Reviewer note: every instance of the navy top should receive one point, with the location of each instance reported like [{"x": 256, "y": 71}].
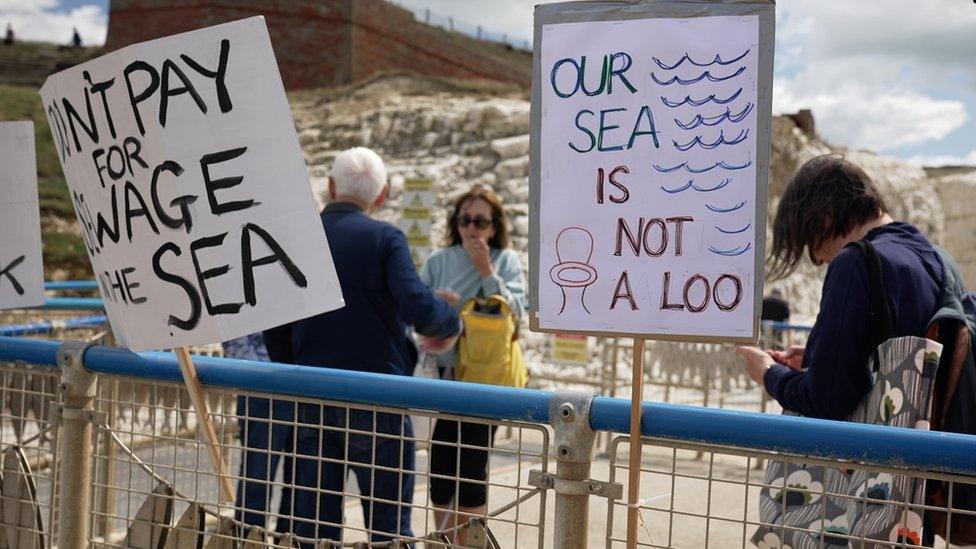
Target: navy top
[
  {"x": 383, "y": 295},
  {"x": 835, "y": 376}
]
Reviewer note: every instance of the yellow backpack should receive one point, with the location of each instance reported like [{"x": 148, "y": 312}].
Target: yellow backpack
[{"x": 488, "y": 349}]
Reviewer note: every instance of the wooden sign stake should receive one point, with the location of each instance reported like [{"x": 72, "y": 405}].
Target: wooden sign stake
[
  {"x": 199, "y": 401},
  {"x": 634, "y": 465}
]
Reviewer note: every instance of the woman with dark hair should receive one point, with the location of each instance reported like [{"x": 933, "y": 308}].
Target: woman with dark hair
[
  {"x": 475, "y": 262},
  {"x": 828, "y": 206}
]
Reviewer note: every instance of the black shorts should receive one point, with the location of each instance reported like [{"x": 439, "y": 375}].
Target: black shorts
[{"x": 473, "y": 463}]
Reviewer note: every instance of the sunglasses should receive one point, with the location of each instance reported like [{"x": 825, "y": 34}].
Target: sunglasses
[{"x": 479, "y": 222}]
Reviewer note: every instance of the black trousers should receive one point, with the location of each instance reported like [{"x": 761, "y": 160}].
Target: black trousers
[{"x": 469, "y": 470}]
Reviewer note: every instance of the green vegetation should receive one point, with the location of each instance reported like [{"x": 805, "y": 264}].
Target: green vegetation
[{"x": 64, "y": 250}]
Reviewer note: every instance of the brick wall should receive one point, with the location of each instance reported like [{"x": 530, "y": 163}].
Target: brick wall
[{"x": 322, "y": 43}]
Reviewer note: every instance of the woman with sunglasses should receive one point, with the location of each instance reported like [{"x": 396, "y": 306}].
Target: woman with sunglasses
[{"x": 475, "y": 262}]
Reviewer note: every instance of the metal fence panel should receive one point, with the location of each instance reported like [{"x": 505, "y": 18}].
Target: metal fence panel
[
  {"x": 151, "y": 442},
  {"x": 713, "y": 500}
]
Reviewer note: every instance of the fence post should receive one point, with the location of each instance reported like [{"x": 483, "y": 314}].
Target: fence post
[
  {"x": 569, "y": 415},
  {"x": 75, "y": 453}
]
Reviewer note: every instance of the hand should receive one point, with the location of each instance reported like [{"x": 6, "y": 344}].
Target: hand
[
  {"x": 452, "y": 298},
  {"x": 792, "y": 357},
  {"x": 435, "y": 345},
  {"x": 757, "y": 361},
  {"x": 479, "y": 253}
]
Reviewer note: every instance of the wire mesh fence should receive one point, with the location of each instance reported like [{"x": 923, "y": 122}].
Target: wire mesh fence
[
  {"x": 701, "y": 495},
  {"x": 314, "y": 472},
  {"x": 309, "y": 472},
  {"x": 28, "y": 464}
]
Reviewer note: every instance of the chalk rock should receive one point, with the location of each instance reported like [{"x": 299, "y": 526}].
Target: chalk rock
[
  {"x": 513, "y": 167},
  {"x": 958, "y": 193},
  {"x": 511, "y": 147}
]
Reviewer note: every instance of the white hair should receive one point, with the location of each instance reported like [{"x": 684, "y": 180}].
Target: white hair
[{"x": 360, "y": 173}]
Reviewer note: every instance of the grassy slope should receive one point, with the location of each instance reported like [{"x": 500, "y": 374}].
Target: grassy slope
[{"x": 64, "y": 250}]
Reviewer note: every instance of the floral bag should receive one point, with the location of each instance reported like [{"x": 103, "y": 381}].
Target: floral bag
[{"x": 794, "y": 505}]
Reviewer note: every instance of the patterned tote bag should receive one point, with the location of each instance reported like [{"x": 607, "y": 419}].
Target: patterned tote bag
[{"x": 810, "y": 506}]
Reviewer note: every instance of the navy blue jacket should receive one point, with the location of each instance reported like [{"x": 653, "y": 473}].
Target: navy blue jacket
[
  {"x": 383, "y": 295},
  {"x": 835, "y": 376}
]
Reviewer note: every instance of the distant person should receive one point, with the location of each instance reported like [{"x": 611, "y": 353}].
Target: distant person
[
  {"x": 476, "y": 262},
  {"x": 774, "y": 307},
  {"x": 267, "y": 434},
  {"x": 75, "y": 38},
  {"x": 8, "y": 38},
  {"x": 383, "y": 295}
]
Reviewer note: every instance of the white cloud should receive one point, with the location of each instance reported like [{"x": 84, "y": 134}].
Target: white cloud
[
  {"x": 862, "y": 67},
  {"x": 945, "y": 160},
  {"x": 44, "y": 20},
  {"x": 867, "y": 110}
]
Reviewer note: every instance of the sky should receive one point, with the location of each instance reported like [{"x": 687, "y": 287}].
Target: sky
[{"x": 893, "y": 76}]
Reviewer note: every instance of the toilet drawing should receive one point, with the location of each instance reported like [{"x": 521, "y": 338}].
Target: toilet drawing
[{"x": 574, "y": 248}]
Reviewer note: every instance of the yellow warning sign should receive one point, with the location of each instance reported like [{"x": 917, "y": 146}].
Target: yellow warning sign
[
  {"x": 570, "y": 348},
  {"x": 418, "y": 185},
  {"x": 411, "y": 212},
  {"x": 417, "y": 236}
]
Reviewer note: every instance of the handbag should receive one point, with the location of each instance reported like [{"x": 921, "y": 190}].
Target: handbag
[
  {"x": 488, "y": 349},
  {"x": 812, "y": 506}
]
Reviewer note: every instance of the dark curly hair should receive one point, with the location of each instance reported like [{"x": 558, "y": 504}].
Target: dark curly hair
[
  {"x": 827, "y": 197},
  {"x": 498, "y": 219}
]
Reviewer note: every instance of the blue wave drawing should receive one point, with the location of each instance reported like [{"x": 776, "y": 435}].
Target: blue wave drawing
[
  {"x": 743, "y": 134},
  {"x": 699, "y": 102},
  {"x": 731, "y": 253},
  {"x": 734, "y": 231},
  {"x": 723, "y": 164},
  {"x": 703, "y": 76},
  {"x": 717, "y": 61},
  {"x": 691, "y": 185},
  {"x": 684, "y": 187},
  {"x": 716, "y": 209},
  {"x": 724, "y": 182},
  {"x": 699, "y": 120},
  {"x": 726, "y": 166}
]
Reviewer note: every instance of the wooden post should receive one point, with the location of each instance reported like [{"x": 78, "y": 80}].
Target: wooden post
[
  {"x": 634, "y": 466},
  {"x": 199, "y": 401}
]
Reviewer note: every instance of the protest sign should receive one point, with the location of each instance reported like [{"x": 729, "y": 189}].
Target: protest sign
[
  {"x": 651, "y": 154},
  {"x": 21, "y": 264},
  {"x": 190, "y": 188},
  {"x": 649, "y": 159}
]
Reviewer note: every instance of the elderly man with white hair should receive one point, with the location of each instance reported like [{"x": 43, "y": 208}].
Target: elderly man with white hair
[{"x": 383, "y": 296}]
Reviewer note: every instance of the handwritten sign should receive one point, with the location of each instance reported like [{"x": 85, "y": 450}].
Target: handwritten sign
[
  {"x": 190, "y": 189},
  {"x": 21, "y": 265},
  {"x": 652, "y": 146}
]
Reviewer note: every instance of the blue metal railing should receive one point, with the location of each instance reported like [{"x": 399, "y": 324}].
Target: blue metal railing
[
  {"x": 71, "y": 285},
  {"x": 786, "y": 326},
  {"x": 47, "y": 326},
  {"x": 832, "y": 440},
  {"x": 73, "y": 303}
]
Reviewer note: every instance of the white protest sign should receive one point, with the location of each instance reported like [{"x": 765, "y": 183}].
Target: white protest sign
[
  {"x": 21, "y": 264},
  {"x": 189, "y": 184},
  {"x": 650, "y": 147}
]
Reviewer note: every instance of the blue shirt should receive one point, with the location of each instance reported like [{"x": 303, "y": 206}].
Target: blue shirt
[
  {"x": 835, "y": 376},
  {"x": 383, "y": 295},
  {"x": 249, "y": 347}
]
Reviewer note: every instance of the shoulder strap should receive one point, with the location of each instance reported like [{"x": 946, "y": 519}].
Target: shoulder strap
[{"x": 882, "y": 326}]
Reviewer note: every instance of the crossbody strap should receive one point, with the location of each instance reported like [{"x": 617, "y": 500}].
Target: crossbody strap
[{"x": 882, "y": 326}]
